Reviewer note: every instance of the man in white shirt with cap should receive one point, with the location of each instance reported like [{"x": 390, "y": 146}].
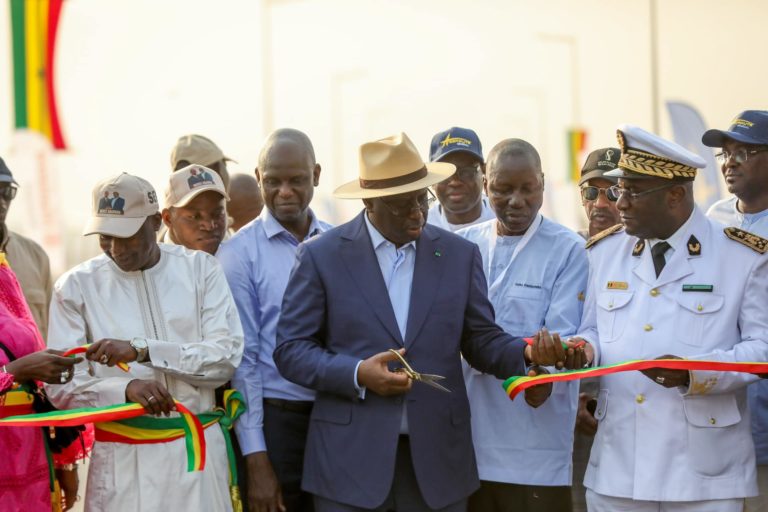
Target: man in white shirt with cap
[
  {"x": 672, "y": 283},
  {"x": 169, "y": 313}
]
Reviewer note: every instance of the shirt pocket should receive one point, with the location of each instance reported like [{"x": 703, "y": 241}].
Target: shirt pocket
[
  {"x": 714, "y": 435},
  {"x": 612, "y": 314},
  {"x": 697, "y": 315},
  {"x": 523, "y": 311}
]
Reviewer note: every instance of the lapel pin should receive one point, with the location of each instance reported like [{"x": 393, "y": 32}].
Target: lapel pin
[{"x": 437, "y": 253}]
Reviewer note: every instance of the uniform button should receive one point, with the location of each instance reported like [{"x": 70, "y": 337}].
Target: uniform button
[
  {"x": 640, "y": 398},
  {"x": 699, "y": 308},
  {"x": 654, "y": 292},
  {"x": 648, "y": 327},
  {"x": 712, "y": 421},
  {"x": 610, "y": 305}
]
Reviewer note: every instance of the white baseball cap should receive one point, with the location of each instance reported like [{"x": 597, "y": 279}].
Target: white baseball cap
[
  {"x": 189, "y": 182},
  {"x": 121, "y": 204}
]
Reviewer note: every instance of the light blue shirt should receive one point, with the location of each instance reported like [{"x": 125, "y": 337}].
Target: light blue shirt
[
  {"x": 726, "y": 212},
  {"x": 543, "y": 287},
  {"x": 397, "y": 265},
  {"x": 257, "y": 261}
]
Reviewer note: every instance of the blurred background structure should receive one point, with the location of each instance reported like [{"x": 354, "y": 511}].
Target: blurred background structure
[{"x": 131, "y": 76}]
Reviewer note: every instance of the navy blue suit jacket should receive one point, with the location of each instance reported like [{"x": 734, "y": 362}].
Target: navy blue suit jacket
[{"x": 336, "y": 311}]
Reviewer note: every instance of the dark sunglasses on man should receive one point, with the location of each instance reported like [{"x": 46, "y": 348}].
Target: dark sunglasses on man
[
  {"x": 591, "y": 193},
  {"x": 8, "y": 193}
]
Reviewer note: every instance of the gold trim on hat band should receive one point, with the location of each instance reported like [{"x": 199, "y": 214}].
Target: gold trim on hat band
[
  {"x": 654, "y": 165},
  {"x": 405, "y": 179}
]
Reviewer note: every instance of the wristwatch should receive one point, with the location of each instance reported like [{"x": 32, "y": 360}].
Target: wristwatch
[{"x": 142, "y": 350}]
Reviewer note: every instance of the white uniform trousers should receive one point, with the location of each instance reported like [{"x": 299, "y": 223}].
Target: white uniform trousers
[{"x": 602, "y": 503}]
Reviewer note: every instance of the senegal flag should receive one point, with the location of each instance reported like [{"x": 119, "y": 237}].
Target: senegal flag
[{"x": 34, "y": 24}]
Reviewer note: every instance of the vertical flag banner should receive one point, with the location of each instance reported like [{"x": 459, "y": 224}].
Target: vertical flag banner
[
  {"x": 688, "y": 127},
  {"x": 34, "y": 25},
  {"x": 577, "y": 144}
]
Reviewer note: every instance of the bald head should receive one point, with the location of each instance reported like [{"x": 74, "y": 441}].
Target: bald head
[
  {"x": 245, "y": 200},
  {"x": 287, "y": 135},
  {"x": 509, "y": 148}
]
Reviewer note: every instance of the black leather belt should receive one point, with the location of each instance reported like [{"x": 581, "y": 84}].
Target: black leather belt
[{"x": 299, "y": 406}]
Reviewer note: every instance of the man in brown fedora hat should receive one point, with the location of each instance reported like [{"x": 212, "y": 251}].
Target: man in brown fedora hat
[{"x": 380, "y": 287}]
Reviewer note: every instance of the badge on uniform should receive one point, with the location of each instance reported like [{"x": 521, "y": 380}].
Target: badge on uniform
[
  {"x": 698, "y": 288},
  {"x": 694, "y": 247},
  {"x": 617, "y": 285},
  {"x": 638, "y": 249}
]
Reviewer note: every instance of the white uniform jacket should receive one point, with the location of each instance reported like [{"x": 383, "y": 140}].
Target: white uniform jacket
[
  {"x": 709, "y": 302},
  {"x": 184, "y": 308}
]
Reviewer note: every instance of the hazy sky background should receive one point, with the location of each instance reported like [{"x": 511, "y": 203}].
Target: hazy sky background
[{"x": 132, "y": 76}]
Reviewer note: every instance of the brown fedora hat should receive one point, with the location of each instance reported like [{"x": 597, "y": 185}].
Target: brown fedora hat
[{"x": 392, "y": 166}]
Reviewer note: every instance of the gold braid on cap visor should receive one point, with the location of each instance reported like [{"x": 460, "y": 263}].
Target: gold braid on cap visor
[{"x": 652, "y": 165}]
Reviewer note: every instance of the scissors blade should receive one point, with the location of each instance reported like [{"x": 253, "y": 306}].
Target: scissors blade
[{"x": 431, "y": 380}]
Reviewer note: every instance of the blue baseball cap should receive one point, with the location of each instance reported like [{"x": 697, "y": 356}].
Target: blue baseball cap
[
  {"x": 452, "y": 140},
  {"x": 5, "y": 174},
  {"x": 749, "y": 127}
]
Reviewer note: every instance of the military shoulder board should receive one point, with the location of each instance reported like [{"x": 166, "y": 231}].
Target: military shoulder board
[
  {"x": 603, "y": 234},
  {"x": 754, "y": 242}
]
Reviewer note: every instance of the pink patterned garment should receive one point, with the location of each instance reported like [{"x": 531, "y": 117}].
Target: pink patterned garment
[{"x": 24, "y": 470}]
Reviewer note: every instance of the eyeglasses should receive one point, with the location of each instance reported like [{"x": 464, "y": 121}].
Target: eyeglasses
[
  {"x": 592, "y": 193},
  {"x": 620, "y": 191},
  {"x": 466, "y": 174},
  {"x": 739, "y": 156},
  {"x": 8, "y": 193},
  {"x": 404, "y": 208}
]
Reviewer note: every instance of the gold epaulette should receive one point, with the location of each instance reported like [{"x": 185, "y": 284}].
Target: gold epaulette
[
  {"x": 754, "y": 242},
  {"x": 605, "y": 233}
]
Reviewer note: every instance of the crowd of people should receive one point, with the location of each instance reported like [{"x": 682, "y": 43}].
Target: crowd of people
[{"x": 370, "y": 356}]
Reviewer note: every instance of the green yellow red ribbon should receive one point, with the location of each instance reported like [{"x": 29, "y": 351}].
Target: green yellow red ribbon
[
  {"x": 103, "y": 416},
  {"x": 83, "y": 348},
  {"x": 514, "y": 385}
]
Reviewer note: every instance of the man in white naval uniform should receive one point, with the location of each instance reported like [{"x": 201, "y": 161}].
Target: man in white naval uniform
[
  {"x": 169, "y": 313},
  {"x": 672, "y": 284}
]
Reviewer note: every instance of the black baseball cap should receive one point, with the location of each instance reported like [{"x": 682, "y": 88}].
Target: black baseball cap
[
  {"x": 749, "y": 127},
  {"x": 599, "y": 162},
  {"x": 5, "y": 173}
]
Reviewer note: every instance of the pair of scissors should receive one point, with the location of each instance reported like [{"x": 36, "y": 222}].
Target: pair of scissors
[{"x": 426, "y": 378}]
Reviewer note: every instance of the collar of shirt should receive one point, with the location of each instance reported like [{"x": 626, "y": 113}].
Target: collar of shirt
[
  {"x": 486, "y": 214},
  {"x": 273, "y": 228},
  {"x": 377, "y": 239},
  {"x": 678, "y": 238}
]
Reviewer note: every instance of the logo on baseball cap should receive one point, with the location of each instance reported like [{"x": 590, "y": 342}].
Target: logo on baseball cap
[
  {"x": 599, "y": 162},
  {"x": 121, "y": 204},
  {"x": 452, "y": 140},
  {"x": 749, "y": 127},
  {"x": 189, "y": 182}
]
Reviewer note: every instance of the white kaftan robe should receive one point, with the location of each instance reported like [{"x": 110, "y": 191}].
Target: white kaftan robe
[{"x": 184, "y": 308}]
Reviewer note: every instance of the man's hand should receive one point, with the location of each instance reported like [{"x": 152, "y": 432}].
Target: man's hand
[
  {"x": 580, "y": 353},
  {"x": 537, "y": 395},
  {"x": 151, "y": 394},
  {"x": 111, "y": 352},
  {"x": 264, "y": 494},
  {"x": 668, "y": 378},
  {"x": 375, "y": 375},
  {"x": 47, "y": 365},
  {"x": 68, "y": 482},
  {"x": 585, "y": 415}
]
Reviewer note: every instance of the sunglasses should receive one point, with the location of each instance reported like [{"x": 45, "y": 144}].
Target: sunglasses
[
  {"x": 592, "y": 193},
  {"x": 8, "y": 193}
]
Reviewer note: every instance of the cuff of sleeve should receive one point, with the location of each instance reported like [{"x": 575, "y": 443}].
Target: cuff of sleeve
[
  {"x": 164, "y": 355},
  {"x": 360, "y": 389},
  {"x": 251, "y": 440}
]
